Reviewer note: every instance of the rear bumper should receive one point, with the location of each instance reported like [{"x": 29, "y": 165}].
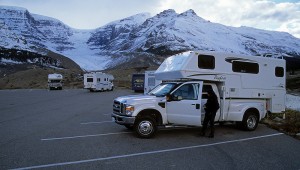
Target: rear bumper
[{"x": 123, "y": 120}]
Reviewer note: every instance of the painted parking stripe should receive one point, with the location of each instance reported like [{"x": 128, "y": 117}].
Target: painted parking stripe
[
  {"x": 83, "y": 136},
  {"x": 145, "y": 153},
  {"x": 87, "y": 123}
]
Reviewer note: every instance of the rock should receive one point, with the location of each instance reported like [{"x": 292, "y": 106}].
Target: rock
[{"x": 277, "y": 119}]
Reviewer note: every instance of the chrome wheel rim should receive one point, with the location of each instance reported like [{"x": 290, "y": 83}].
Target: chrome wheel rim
[
  {"x": 145, "y": 127},
  {"x": 251, "y": 122}
]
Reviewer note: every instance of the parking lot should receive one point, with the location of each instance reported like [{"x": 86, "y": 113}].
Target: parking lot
[{"x": 72, "y": 129}]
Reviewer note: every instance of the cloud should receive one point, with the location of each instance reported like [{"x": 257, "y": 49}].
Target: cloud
[
  {"x": 87, "y": 13},
  {"x": 262, "y": 14}
]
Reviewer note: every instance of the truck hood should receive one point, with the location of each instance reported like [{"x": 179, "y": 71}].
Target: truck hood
[{"x": 139, "y": 99}]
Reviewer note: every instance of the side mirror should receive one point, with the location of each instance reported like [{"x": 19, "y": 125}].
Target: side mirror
[{"x": 168, "y": 97}]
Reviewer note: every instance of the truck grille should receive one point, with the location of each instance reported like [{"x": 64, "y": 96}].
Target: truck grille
[{"x": 119, "y": 108}]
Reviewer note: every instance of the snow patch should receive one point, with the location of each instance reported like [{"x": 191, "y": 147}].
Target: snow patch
[
  {"x": 9, "y": 61},
  {"x": 293, "y": 102}
]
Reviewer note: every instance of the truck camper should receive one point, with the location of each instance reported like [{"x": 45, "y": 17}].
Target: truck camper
[
  {"x": 98, "y": 81},
  {"x": 55, "y": 81},
  {"x": 247, "y": 88}
]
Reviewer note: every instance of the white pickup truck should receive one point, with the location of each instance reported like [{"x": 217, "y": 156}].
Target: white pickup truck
[{"x": 247, "y": 88}]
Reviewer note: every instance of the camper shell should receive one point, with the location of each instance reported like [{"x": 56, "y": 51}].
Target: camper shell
[
  {"x": 55, "y": 81},
  {"x": 98, "y": 81},
  {"x": 247, "y": 88},
  {"x": 239, "y": 76}
]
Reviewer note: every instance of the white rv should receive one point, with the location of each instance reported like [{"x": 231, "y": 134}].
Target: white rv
[
  {"x": 98, "y": 81},
  {"x": 247, "y": 88},
  {"x": 150, "y": 81},
  {"x": 55, "y": 81}
]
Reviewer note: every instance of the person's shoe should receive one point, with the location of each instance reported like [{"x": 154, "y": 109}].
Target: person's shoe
[{"x": 211, "y": 136}]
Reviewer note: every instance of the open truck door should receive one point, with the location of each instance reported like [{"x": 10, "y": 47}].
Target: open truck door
[{"x": 184, "y": 104}]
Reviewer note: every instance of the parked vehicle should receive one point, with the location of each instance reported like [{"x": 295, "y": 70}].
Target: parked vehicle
[
  {"x": 55, "y": 81},
  {"x": 150, "y": 81},
  {"x": 247, "y": 88},
  {"x": 98, "y": 81},
  {"x": 137, "y": 82}
]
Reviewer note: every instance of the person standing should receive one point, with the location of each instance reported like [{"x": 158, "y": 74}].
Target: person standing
[{"x": 211, "y": 107}]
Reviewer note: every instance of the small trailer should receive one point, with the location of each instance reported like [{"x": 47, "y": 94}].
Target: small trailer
[
  {"x": 55, "y": 81},
  {"x": 150, "y": 81},
  {"x": 98, "y": 81},
  {"x": 247, "y": 87}
]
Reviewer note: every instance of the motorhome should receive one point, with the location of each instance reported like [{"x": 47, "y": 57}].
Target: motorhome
[
  {"x": 98, "y": 81},
  {"x": 137, "y": 82},
  {"x": 150, "y": 81},
  {"x": 247, "y": 87},
  {"x": 55, "y": 81}
]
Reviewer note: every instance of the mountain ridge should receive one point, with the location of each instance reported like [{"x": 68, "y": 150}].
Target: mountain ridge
[{"x": 138, "y": 37}]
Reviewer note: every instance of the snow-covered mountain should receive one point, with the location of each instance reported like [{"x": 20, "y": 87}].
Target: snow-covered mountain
[{"x": 139, "y": 37}]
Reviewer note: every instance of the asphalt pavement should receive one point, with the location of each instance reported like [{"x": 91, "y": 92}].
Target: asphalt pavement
[{"x": 72, "y": 129}]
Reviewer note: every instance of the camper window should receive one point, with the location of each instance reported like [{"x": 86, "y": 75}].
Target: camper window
[
  {"x": 206, "y": 61},
  {"x": 89, "y": 79},
  {"x": 279, "y": 71},
  {"x": 245, "y": 67},
  {"x": 98, "y": 79},
  {"x": 151, "y": 81}
]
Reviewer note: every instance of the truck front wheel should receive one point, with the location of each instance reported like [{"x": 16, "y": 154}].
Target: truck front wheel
[
  {"x": 250, "y": 121},
  {"x": 145, "y": 127}
]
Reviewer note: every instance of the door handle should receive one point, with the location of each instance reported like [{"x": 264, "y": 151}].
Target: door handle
[{"x": 197, "y": 106}]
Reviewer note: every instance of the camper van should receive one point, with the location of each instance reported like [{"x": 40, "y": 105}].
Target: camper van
[
  {"x": 98, "y": 81},
  {"x": 150, "y": 81},
  {"x": 137, "y": 82},
  {"x": 247, "y": 88},
  {"x": 55, "y": 81}
]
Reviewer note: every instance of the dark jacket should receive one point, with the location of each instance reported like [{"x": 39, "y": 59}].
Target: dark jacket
[{"x": 212, "y": 104}]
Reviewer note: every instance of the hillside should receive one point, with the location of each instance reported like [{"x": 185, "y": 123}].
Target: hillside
[{"x": 25, "y": 69}]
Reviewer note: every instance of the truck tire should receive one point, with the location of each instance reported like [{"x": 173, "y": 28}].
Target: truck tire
[
  {"x": 145, "y": 127},
  {"x": 250, "y": 121}
]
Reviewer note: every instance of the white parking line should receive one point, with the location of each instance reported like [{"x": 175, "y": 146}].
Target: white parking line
[
  {"x": 87, "y": 123},
  {"x": 83, "y": 136},
  {"x": 145, "y": 153}
]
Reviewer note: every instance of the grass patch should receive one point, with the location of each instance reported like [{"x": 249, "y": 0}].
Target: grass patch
[{"x": 287, "y": 122}]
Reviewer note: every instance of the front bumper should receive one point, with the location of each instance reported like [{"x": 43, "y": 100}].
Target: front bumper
[{"x": 123, "y": 120}]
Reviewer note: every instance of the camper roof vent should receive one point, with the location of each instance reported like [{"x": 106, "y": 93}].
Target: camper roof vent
[{"x": 275, "y": 55}]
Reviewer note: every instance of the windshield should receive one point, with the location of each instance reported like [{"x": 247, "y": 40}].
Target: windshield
[
  {"x": 162, "y": 89},
  {"x": 55, "y": 81}
]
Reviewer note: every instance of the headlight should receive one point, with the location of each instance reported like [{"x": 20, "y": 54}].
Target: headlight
[{"x": 129, "y": 109}]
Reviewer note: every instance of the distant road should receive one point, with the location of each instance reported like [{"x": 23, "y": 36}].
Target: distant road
[{"x": 72, "y": 129}]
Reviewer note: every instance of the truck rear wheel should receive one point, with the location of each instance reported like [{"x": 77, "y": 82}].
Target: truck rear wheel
[
  {"x": 145, "y": 127},
  {"x": 250, "y": 121}
]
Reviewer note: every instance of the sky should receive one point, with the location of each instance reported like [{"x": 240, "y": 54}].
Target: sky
[{"x": 275, "y": 15}]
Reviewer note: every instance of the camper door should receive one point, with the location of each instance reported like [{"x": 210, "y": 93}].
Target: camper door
[{"x": 184, "y": 104}]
